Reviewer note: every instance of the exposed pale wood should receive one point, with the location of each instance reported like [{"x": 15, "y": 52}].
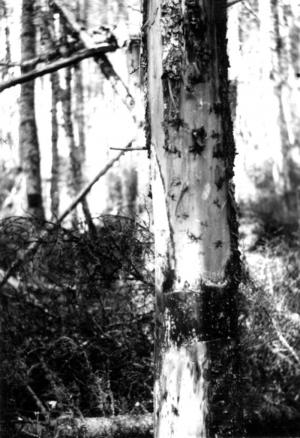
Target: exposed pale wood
[
  {"x": 57, "y": 65},
  {"x": 196, "y": 253}
]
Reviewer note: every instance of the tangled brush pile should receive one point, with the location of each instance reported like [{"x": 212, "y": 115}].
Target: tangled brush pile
[{"x": 77, "y": 323}]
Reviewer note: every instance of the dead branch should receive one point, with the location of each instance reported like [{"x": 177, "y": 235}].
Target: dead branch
[
  {"x": 284, "y": 342},
  {"x": 37, "y": 400},
  {"x": 129, "y": 150},
  {"x": 57, "y": 65},
  {"x": 32, "y": 248},
  {"x": 86, "y": 190},
  {"x": 104, "y": 63},
  {"x": 233, "y": 2},
  {"x": 45, "y": 57}
]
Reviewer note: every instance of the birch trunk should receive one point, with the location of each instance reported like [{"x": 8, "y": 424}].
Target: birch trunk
[
  {"x": 197, "y": 260},
  {"x": 29, "y": 146}
]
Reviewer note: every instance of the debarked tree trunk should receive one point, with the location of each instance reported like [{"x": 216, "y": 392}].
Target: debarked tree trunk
[{"x": 197, "y": 259}]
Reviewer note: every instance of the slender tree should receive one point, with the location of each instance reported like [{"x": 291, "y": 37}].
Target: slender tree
[
  {"x": 29, "y": 145},
  {"x": 47, "y": 42},
  {"x": 197, "y": 258}
]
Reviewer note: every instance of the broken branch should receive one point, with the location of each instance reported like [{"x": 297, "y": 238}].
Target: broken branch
[
  {"x": 57, "y": 65},
  {"x": 103, "y": 62},
  {"x": 129, "y": 150},
  {"x": 86, "y": 190},
  {"x": 233, "y": 2}
]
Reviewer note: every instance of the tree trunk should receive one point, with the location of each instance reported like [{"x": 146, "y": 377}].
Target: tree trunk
[
  {"x": 197, "y": 260},
  {"x": 54, "y": 189},
  {"x": 29, "y": 146},
  {"x": 80, "y": 120}
]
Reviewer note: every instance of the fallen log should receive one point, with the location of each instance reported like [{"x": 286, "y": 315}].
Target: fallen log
[
  {"x": 119, "y": 426},
  {"x": 131, "y": 426}
]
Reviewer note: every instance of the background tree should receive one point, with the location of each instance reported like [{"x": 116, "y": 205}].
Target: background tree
[
  {"x": 197, "y": 260},
  {"x": 264, "y": 57},
  {"x": 29, "y": 146}
]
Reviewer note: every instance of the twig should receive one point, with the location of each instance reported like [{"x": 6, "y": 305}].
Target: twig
[
  {"x": 57, "y": 65},
  {"x": 32, "y": 248},
  {"x": 285, "y": 342},
  {"x": 129, "y": 150},
  {"x": 37, "y": 400},
  {"x": 233, "y": 3},
  {"x": 250, "y": 9}
]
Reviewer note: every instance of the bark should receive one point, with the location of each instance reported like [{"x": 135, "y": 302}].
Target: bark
[
  {"x": 7, "y": 41},
  {"x": 54, "y": 189},
  {"x": 47, "y": 47},
  {"x": 29, "y": 146},
  {"x": 197, "y": 260},
  {"x": 74, "y": 170},
  {"x": 80, "y": 121}
]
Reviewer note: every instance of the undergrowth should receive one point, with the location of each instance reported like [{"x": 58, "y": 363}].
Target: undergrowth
[
  {"x": 77, "y": 325},
  {"x": 76, "y": 322}
]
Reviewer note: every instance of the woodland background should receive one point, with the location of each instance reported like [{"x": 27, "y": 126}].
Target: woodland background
[{"x": 77, "y": 314}]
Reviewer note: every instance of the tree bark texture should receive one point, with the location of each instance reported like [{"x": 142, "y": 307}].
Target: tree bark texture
[
  {"x": 47, "y": 46},
  {"x": 29, "y": 146},
  {"x": 75, "y": 163},
  {"x": 54, "y": 189},
  {"x": 80, "y": 120},
  {"x": 197, "y": 260}
]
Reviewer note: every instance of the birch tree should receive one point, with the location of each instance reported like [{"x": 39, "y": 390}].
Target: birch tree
[
  {"x": 197, "y": 258},
  {"x": 29, "y": 146}
]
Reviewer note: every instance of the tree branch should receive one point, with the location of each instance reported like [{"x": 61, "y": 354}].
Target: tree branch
[
  {"x": 37, "y": 400},
  {"x": 104, "y": 63},
  {"x": 52, "y": 55},
  {"x": 285, "y": 342},
  {"x": 86, "y": 190},
  {"x": 57, "y": 65},
  {"x": 233, "y": 2}
]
